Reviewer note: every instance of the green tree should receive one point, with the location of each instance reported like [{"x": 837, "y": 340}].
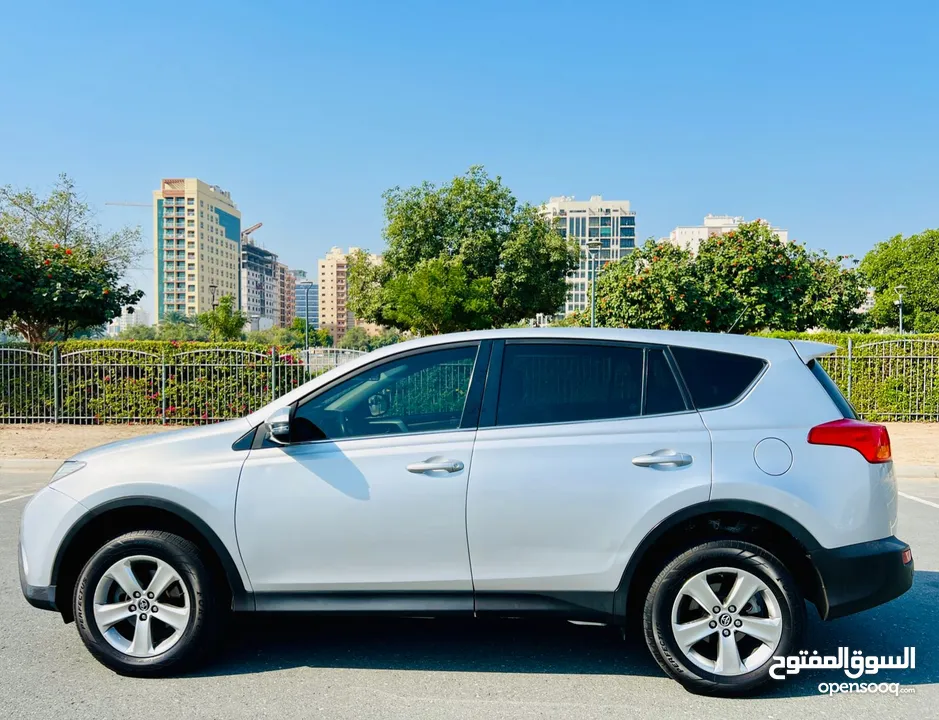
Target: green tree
[
  {"x": 744, "y": 281},
  {"x": 655, "y": 286},
  {"x": 909, "y": 261},
  {"x": 388, "y": 336},
  {"x": 462, "y": 256},
  {"x": 355, "y": 338},
  {"x": 67, "y": 269},
  {"x": 224, "y": 321},
  {"x": 180, "y": 327}
]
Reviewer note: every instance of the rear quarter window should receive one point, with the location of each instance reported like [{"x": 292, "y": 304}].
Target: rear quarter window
[{"x": 716, "y": 378}]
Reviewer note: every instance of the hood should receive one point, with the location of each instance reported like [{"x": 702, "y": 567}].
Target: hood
[{"x": 153, "y": 443}]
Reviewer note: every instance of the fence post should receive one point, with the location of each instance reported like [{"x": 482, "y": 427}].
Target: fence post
[
  {"x": 850, "y": 365},
  {"x": 273, "y": 374},
  {"x": 163, "y": 386},
  {"x": 55, "y": 383}
]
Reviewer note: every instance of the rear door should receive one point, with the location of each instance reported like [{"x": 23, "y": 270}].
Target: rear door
[{"x": 583, "y": 448}]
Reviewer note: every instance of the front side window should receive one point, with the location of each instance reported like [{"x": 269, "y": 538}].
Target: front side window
[{"x": 424, "y": 392}]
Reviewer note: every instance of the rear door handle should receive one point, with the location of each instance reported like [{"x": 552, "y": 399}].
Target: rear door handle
[
  {"x": 663, "y": 458},
  {"x": 450, "y": 466}
]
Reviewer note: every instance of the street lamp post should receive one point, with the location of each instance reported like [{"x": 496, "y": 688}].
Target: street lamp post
[
  {"x": 593, "y": 254},
  {"x": 306, "y": 321},
  {"x": 899, "y": 303},
  {"x": 212, "y": 288}
]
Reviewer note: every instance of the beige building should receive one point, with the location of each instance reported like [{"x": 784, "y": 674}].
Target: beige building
[
  {"x": 197, "y": 246},
  {"x": 610, "y": 223},
  {"x": 691, "y": 236},
  {"x": 333, "y": 293},
  {"x": 286, "y": 286}
]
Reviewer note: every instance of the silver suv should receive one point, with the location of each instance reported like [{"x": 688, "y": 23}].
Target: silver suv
[{"x": 703, "y": 486}]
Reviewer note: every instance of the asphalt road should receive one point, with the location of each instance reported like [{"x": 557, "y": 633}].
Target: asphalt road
[{"x": 416, "y": 669}]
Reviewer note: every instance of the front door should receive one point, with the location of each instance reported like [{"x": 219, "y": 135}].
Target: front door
[
  {"x": 369, "y": 495},
  {"x": 587, "y": 447}
]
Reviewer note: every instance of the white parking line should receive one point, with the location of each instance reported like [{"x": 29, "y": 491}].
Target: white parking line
[
  {"x": 919, "y": 500},
  {"x": 20, "y": 497}
]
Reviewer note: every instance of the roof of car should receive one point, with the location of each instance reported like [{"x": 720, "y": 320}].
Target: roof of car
[{"x": 742, "y": 344}]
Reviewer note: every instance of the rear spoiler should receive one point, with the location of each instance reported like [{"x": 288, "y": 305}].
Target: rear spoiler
[{"x": 809, "y": 351}]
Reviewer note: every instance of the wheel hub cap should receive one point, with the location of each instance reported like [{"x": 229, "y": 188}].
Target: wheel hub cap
[
  {"x": 141, "y": 606},
  {"x": 726, "y": 621}
]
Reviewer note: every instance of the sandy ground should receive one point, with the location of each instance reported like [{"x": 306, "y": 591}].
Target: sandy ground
[{"x": 913, "y": 443}]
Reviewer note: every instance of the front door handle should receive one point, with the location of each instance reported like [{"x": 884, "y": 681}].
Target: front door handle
[
  {"x": 663, "y": 458},
  {"x": 431, "y": 464}
]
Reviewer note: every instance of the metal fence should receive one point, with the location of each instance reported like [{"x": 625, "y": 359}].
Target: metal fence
[
  {"x": 887, "y": 380},
  {"x": 890, "y": 379},
  {"x": 124, "y": 385}
]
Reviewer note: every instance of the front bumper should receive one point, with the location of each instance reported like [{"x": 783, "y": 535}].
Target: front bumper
[
  {"x": 39, "y": 596},
  {"x": 862, "y": 576}
]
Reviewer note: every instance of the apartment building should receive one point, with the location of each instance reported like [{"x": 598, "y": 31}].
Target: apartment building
[
  {"x": 691, "y": 236},
  {"x": 610, "y": 222},
  {"x": 197, "y": 246},
  {"x": 260, "y": 298},
  {"x": 333, "y": 294},
  {"x": 285, "y": 289}
]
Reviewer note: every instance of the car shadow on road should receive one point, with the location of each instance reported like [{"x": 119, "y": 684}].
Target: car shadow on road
[{"x": 267, "y": 643}]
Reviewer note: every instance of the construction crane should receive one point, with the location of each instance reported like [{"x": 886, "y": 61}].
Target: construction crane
[{"x": 245, "y": 233}]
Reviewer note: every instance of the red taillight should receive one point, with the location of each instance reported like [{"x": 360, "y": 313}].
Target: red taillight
[{"x": 869, "y": 439}]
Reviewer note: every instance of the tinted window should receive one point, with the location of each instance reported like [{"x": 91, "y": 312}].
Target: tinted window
[
  {"x": 417, "y": 393},
  {"x": 716, "y": 378},
  {"x": 662, "y": 393},
  {"x": 568, "y": 383},
  {"x": 840, "y": 401}
]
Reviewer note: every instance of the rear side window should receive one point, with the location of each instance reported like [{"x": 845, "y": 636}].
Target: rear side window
[
  {"x": 557, "y": 383},
  {"x": 716, "y": 378},
  {"x": 840, "y": 401},
  {"x": 662, "y": 393}
]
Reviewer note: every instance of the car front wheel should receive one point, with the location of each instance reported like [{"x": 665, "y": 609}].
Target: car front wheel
[
  {"x": 717, "y": 614},
  {"x": 144, "y": 604}
]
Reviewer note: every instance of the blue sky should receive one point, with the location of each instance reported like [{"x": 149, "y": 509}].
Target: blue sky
[{"x": 821, "y": 117}]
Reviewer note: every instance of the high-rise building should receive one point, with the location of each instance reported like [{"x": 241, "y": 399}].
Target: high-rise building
[
  {"x": 259, "y": 296},
  {"x": 127, "y": 318},
  {"x": 611, "y": 222},
  {"x": 307, "y": 299},
  {"x": 333, "y": 293},
  {"x": 691, "y": 236},
  {"x": 197, "y": 246},
  {"x": 285, "y": 290}
]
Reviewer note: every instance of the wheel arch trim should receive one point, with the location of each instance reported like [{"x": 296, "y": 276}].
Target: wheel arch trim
[
  {"x": 701, "y": 510},
  {"x": 242, "y": 598}
]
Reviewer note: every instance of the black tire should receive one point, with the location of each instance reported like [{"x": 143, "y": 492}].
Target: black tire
[
  {"x": 204, "y": 621},
  {"x": 657, "y": 614}
]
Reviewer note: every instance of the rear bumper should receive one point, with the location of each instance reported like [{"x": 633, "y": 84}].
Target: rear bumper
[
  {"x": 42, "y": 597},
  {"x": 862, "y": 576}
]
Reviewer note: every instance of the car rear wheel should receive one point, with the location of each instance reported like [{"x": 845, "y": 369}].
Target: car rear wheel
[
  {"x": 144, "y": 604},
  {"x": 718, "y": 613}
]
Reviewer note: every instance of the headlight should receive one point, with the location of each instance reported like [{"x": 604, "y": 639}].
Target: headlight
[{"x": 66, "y": 469}]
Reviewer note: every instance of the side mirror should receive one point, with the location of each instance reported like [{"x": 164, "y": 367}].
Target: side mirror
[
  {"x": 378, "y": 404},
  {"x": 278, "y": 425}
]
